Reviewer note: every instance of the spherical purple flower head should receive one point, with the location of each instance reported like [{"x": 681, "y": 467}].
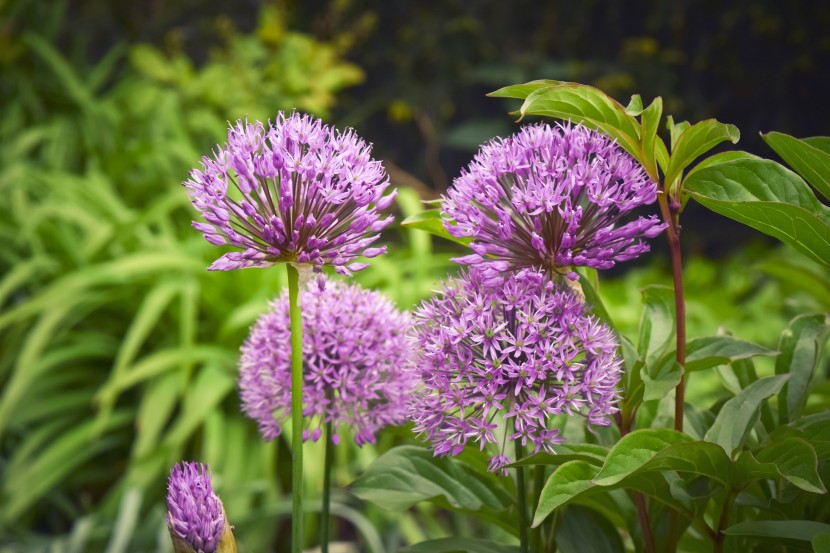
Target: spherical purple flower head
[
  {"x": 551, "y": 197},
  {"x": 355, "y": 349},
  {"x": 304, "y": 193},
  {"x": 501, "y": 353},
  {"x": 194, "y": 512}
]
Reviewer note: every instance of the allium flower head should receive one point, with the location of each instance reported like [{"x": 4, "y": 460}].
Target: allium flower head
[
  {"x": 499, "y": 355},
  {"x": 297, "y": 191},
  {"x": 195, "y": 514},
  {"x": 355, "y": 349},
  {"x": 551, "y": 197}
]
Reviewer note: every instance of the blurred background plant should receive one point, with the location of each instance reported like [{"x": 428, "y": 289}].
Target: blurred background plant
[{"x": 117, "y": 349}]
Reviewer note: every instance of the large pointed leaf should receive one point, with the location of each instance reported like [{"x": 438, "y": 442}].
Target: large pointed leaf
[
  {"x": 406, "y": 475},
  {"x": 737, "y": 415},
  {"x": 793, "y": 459},
  {"x": 590, "y": 106},
  {"x": 810, "y": 162},
  {"x": 695, "y": 141},
  {"x": 711, "y": 351},
  {"x": 591, "y": 453},
  {"x": 801, "y": 345},
  {"x": 768, "y": 197},
  {"x": 521, "y": 91},
  {"x": 662, "y": 449}
]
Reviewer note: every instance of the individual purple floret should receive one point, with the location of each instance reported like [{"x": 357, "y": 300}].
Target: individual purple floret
[
  {"x": 298, "y": 191},
  {"x": 194, "y": 512},
  {"x": 355, "y": 349},
  {"x": 551, "y": 197},
  {"x": 500, "y": 354}
]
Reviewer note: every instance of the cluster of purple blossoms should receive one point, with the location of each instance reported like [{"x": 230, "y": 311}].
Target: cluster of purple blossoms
[
  {"x": 355, "y": 351},
  {"x": 503, "y": 353},
  {"x": 551, "y": 197},
  {"x": 304, "y": 193},
  {"x": 195, "y": 514}
]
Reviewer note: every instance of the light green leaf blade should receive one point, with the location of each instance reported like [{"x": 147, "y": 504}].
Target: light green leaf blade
[
  {"x": 521, "y": 91},
  {"x": 695, "y": 141},
  {"x": 589, "y": 106},
  {"x": 430, "y": 221},
  {"x": 767, "y": 197},
  {"x": 736, "y": 417},
  {"x": 810, "y": 162},
  {"x": 803, "y": 530},
  {"x": 801, "y": 345},
  {"x": 406, "y": 475},
  {"x": 710, "y": 351}
]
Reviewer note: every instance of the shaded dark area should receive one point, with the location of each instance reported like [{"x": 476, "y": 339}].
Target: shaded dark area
[{"x": 428, "y": 65}]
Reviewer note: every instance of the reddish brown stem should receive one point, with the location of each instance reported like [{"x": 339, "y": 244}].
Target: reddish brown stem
[
  {"x": 642, "y": 514},
  {"x": 673, "y": 235}
]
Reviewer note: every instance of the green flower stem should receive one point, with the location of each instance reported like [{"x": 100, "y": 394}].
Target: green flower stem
[
  {"x": 522, "y": 498},
  {"x": 296, "y": 408},
  {"x": 328, "y": 465}
]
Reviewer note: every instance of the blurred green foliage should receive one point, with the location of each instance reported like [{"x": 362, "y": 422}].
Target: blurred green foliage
[{"x": 118, "y": 350}]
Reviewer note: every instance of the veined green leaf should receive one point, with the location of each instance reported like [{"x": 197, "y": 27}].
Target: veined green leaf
[
  {"x": 768, "y": 197},
  {"x": 521, "y": 91},
  {"x": 695, "y": 141},
  {"x": 810, "y": 162},
  {"x": 736, "y": 417},
  {"x": 589, "y": 106},
  {"x": 710, "y": 351},
  {"x": 656, "y": 322},
  {"x": 793, "y": 459},
  {"x": 591, "y": 453},
  {"x": 652, "y": 144},
  {"x": 406, "y": 475},
  {"x": 801, "y": 345}
]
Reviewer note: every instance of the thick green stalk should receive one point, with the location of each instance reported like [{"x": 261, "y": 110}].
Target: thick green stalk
[
  {"x": 328, "y": 465},
  {"x": 522, "y": 498},
  {"x": 296, "y": 408}
]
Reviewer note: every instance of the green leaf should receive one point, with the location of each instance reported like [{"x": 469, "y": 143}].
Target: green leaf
[
  {"x": 581, "y": 529},
  {"x": 651, "y": 143},
  {"x": 766, "y": 196},
  {"x": 820, "y": 142},
  {"x": 590, "y": 453},
  {"x": 459, "y": 545},
  {"x": 663, "y": 449},
  {"x": 821, "y": 543},
  {"x": 796, "y": 460},
  {"x": 675, "y": 129},
  {"x": 406, "y": 475},
  {"x": 803, "y": 530},
  {"x": 656, "y": 322},
  {"x": 635, "y": 106},
  {"x": 801, "y": 345},
  {"x": 661, "y": 377},
  {"x": 696, "y": 141},
  {"x": 593, "y": 299},
  {"x": 430, "y": 221},
  {"x": 810, "y": 162},
  {"x": 521, "y": 91},
  {"x": 589, "y": 106},
  {"x": 737, "y": 416},
  {"x": 711, "y": 351}
]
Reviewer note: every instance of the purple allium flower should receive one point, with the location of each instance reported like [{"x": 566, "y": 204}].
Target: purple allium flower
[
  {"x": 551, "y": 197},
  {"x": 355, "y": 348},
  {"x": 194, "y": 512},
  {"x": 304, "y": 193},
  {"x": 500, "y": 353}
]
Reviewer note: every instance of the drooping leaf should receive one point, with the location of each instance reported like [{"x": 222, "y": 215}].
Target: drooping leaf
[
  {"x": 710, "y": 351},
  {"x": 768, "y": 197},
  {"x": 803, "y": 530},
  {"x": 793, "y": 458},
  {"x": 406, "y": 475},
  {"x": 663, "y": 449},
  {"x": 459, "y": 545},
  {"x": 589, "y": 106},
  {"x": 521, "y": 91},
  {"x": 810, "y": 162},
  {"x": 736, "y": 417},
  {"x": 430, "y": 221},
  {"x": 695, "y": 141},
  {"x": 801, "y": 345},
  {"x": 635, "y": 106}
]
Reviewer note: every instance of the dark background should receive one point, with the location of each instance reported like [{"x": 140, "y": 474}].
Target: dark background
[{"x": 761, "y": 65}]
